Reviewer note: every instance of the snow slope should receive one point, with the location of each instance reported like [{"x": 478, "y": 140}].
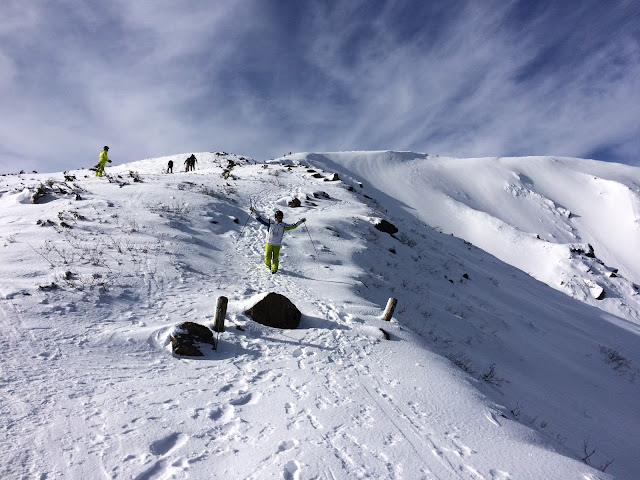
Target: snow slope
[
  {"x": 535, "y": 213},
  {"x": 488, "y": 372}
]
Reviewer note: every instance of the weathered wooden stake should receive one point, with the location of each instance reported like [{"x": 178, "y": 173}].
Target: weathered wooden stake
[
  {"x": 221, "y": 311},
  {"x": 218, "y": 325},
  {"x": 388, "y": 312}
]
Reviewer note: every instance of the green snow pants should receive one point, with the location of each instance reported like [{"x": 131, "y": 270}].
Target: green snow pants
[
  {"x": 271, "y": 255},
  {"x": 100, "y": 168}
]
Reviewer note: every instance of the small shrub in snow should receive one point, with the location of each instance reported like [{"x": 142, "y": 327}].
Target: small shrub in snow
[
  {"x": 406, "y": 240},
  {"x": 10, "y": 239},
  {"x": 175, "y": 208},
  {"x": 517, "y": 410},
  {"x": 490, "y": 376},
  {"x": 40, "y": 192},
  {"x": 135, "y": 176},
  {"x": 461, "y": 361},
  {"x": 588, "y": 451},
  {"x": 615, "y": 358}
]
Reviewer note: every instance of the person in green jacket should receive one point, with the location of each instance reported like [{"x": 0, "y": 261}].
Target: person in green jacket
[{"x": 102, "y": 162}]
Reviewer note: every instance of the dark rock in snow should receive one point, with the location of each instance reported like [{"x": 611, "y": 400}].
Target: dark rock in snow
[
  {"x": 276, "y": 311},
  {"x": 187, "y": 336},
  {"x": 589, "y": 252},
  {"x": 386, "y": 227},
  {"x": 294, "y": 203}
]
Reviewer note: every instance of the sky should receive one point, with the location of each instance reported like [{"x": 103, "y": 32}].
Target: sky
[{"x": 257, "y": 78}]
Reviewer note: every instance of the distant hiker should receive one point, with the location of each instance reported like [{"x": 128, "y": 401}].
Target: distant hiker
[
  {"x": 102, "y": 162},
  {"x": 170, "y": 167},
  {"x": 190, "y": 163},
  {"x": 275, "y": 231}
]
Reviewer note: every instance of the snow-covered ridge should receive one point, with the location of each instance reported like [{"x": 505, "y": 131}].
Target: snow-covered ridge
[
  {"x": 535, "y": 213},
  {"x": 206, "y": 161},
  {"x": 488, "y": 372}
]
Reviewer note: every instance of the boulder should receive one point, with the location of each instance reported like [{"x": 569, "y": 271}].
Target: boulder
[
  {"x": 276, "y": 311},
  {"x": 186, "y": 337},
  {"x": 587, "y": 252},
  {"x": 295, "y": 203},
  {"x": 598, "y": 292},
  {"x": 386, "y": 227}
]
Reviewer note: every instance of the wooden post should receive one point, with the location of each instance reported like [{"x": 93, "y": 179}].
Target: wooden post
[
  {"x": 221, "y": 311},
  {"x": 388, "y": 312}
]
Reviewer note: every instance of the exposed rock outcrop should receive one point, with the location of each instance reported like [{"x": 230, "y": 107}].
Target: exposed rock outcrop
[
  {"x": 386, "y": 227},
  {"x": 186, "y": 338},
  {"x": 276, "y": 311}
]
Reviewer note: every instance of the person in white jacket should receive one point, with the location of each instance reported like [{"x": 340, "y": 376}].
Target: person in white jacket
[{"x": 275, "y": 232}]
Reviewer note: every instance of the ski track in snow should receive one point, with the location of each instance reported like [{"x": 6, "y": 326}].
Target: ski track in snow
[{"x": 190, "y": 416}]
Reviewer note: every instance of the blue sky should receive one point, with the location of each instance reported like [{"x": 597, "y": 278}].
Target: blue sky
[{"x": 262, "y": 78}]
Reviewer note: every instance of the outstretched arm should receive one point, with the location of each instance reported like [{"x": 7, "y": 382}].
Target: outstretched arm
[
  {"x": 295, "y": 225},
  {"x": 257, "y": 216}
]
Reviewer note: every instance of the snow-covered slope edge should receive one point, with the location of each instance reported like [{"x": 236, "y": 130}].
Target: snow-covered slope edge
[
  {"x": 330, "y": 399},
  {"x": 571, "y": 223}
]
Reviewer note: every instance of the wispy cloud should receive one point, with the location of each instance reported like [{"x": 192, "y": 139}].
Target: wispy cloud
[{"x": 258, "y": 78}]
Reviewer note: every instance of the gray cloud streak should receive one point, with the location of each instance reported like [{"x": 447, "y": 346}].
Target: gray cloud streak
[{"x": 264, "y": 78}]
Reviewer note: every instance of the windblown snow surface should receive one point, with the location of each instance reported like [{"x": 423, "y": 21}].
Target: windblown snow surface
[{"x": 513, "y": 353}]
